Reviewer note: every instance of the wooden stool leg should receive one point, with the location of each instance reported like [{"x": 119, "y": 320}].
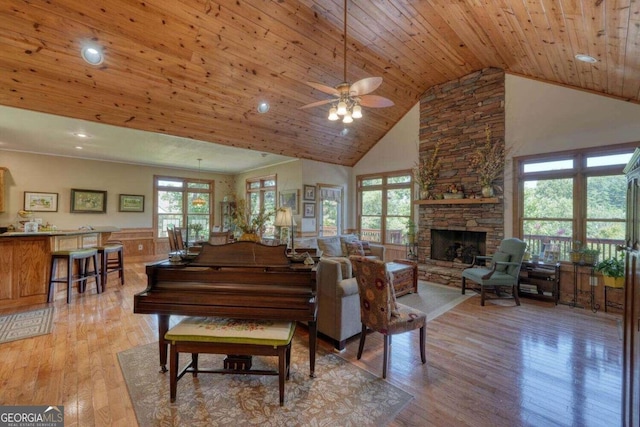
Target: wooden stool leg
[
  {"x": 281, "y": 371},
  {"x": 52, "y": 285},
  {"x": 82, "y": 268},
  {"x": 194, "y": 364},
  {"x": 69, "y": 278},
  {"x": 121, "y": 266},
  {"x": 96, "y": 274},
  {"x": 173, "y": 373},
  {"x": 104, "y": 258}
]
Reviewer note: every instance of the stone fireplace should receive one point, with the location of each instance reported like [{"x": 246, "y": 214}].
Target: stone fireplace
[
  {"x": 457, "y": 245},
  {"x": 454, "y": 117}
]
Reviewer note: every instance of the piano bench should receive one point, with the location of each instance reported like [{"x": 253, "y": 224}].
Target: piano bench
[{"x": 218, "y": 335}]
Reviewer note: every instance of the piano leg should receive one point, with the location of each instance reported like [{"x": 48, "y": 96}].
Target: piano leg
[
  {"x": 163, "y": 327},
  {"x": 313, "y": 336}
]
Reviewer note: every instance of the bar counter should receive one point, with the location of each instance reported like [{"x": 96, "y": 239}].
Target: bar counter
[{"x": 25, "y": 261}]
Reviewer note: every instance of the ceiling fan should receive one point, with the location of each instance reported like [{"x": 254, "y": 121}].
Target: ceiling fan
[{"x": 350, "y": 98}]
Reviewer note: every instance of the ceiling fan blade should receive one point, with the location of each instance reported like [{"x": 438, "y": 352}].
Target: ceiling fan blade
[
  {"x": 317, "y": 103},
  {"x": 375, "y": 101},
  {"x": 324, "y": 88},
  {"x": 365, "y": 86}
]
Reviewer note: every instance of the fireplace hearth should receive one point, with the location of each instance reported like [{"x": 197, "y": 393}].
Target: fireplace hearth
[{"x": 457, "y": 245}]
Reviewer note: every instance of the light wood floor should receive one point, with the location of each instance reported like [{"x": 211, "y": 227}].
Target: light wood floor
[{"x": 498, "y": 365}]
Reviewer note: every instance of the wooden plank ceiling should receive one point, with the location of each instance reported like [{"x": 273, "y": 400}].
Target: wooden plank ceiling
[{"x": 198, "y": 68}]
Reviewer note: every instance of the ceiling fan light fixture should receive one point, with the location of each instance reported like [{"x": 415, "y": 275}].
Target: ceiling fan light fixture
[
  {"x": 357, "y": 112},
  {"x": 333, "y": 114},
  {"x": 347, "y": 118},
  {"x": 342, "y": 108}
]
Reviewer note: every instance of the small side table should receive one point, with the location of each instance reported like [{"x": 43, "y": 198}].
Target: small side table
[{"x": 405, "y": 276}]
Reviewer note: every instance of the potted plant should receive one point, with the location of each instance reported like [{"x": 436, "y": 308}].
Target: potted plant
[
  {"x": 250, "y": 225},
  {"x": 590, "y": 256},
  {"x": 577, "y": 252},
  {"x": 411, "y": 232},
  {"x": 612, "y": 271}
]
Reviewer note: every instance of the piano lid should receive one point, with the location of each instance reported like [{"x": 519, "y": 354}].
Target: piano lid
[{"x": 242, "y": 254}]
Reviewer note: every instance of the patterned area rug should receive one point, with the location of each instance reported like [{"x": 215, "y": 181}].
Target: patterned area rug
[
  {"x": 27, "y": 324},
  {"x": 341, "y": 394},
  {"x": 434, "y": 299}
]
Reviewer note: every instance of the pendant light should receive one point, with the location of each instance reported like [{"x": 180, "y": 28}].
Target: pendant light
[{"x": 198, "y": 202}]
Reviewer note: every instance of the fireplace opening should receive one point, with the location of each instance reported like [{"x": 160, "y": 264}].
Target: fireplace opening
[{"x": 457, "y": 245}]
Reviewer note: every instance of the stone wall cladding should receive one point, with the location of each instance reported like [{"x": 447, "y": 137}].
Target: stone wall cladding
[{"x": 455, "y": 114}]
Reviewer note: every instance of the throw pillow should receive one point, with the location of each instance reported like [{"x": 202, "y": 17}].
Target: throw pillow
[
  {"x": 501, "y": 257},
  {"x": 355, "y": 248},
  {"x": 346, "y": 239},
  {"x": 330, "y": 246},
  {"x": 366, "y": 248}
]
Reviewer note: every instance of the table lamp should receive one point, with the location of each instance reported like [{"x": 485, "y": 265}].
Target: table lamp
[{"x": 284, "y": 218}]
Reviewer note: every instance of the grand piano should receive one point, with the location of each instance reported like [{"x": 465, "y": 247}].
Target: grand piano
[{"x": 243, "y": 280}]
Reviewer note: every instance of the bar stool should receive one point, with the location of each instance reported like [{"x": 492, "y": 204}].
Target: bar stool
[
  {"x": 111, "y": 264},
  {"x": 82, "y": 256}
]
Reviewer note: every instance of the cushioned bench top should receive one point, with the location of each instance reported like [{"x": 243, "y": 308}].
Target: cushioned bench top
[{"x": 237, "y": 331}]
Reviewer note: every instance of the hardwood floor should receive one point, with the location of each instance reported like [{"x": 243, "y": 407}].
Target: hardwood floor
[{"x": 498, "y": 365}]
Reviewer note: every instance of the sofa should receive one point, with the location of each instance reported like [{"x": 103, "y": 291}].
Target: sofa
[{"x": 338, "y": 300}]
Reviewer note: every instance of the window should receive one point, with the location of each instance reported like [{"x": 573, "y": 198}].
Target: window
[
  {"x": 573, "y": 197},
  {"x": 330, "y": 212},
  {"x": 261, "y": 194},
  {"x": 182, "y": 202},
  {"x": 385, "y": 207}
]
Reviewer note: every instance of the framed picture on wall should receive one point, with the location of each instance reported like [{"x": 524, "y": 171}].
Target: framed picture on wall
[
  {"x": 309, "y": 193},
  {"x": 131, "y": 203},
  {"x": 291, "y": 199},
  {"x": 40, "y": 202},
  {"x": 88, "y": 201},
  {"x": 309, "y": 210}
]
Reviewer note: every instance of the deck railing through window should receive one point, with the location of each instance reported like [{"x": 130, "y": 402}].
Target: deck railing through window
[{"x": 606, "y": 247}]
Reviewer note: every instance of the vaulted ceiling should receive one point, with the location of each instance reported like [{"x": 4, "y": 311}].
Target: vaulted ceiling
[{"x": 198, "y": 68}]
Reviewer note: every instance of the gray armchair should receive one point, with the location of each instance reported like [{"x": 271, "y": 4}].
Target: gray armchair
[
  {"x": 503, "y": 272},
  {"x": 338, "y": 302}
]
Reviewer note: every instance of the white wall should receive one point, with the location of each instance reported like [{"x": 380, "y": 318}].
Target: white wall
[
  {"x": 545, "y": 118},
  {"x": 315, "y": 173},
  {"x": 397, "y": 150},
  {"x": 50, "y": 174}
]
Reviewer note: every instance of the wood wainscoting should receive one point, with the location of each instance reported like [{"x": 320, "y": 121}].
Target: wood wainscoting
[{"x": 140, "y": 242}]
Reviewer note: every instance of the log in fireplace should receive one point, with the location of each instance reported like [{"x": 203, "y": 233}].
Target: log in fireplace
[{"x": 457, "y": 245}]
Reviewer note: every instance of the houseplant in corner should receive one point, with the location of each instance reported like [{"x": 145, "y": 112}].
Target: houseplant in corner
[{"x": 612, "y": 270}]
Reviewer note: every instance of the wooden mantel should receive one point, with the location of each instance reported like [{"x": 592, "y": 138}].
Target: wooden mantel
[{"x": 457, "y": 201}]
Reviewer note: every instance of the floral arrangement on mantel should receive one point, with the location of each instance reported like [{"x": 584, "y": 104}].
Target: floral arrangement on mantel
[
  {"x": 247, "y": 223},
  {"x": 426, "y": 171},
  {"x": 488, "y": 161}
]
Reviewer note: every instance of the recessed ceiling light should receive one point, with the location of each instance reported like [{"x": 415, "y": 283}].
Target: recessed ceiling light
[
  {"x": 78, "y": 147},
  {"x": 80, "y": 135},
  {"x": 586, "y": 58},
  {"x": 263, "y": 107},
  {"x": 92, "y": 54}
]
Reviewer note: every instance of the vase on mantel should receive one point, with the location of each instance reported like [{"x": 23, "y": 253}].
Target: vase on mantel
[
  {"x": 249, "y": 237},
  {"x": 487, "y": 191},
  {"x": 424, "y": 194}
]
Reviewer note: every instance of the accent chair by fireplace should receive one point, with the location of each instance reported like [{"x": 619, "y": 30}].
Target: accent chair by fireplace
[{"x": 503, "y": 270}]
